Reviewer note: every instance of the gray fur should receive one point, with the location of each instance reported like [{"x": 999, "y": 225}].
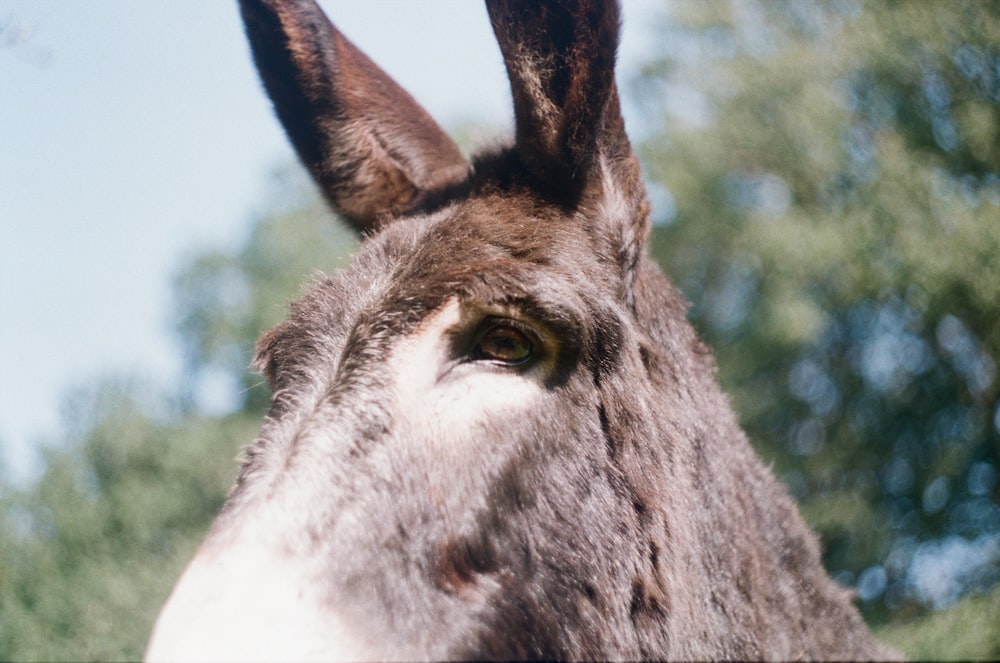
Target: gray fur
[{"x": 624, "y": 515}]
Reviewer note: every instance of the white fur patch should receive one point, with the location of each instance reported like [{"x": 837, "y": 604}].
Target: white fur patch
[
  {"x": 249, "y": 604},
  {"x": 434, "y": 391},
  {"x": 243, "y": 599}
]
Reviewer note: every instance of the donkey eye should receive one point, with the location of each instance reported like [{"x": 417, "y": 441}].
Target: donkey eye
[{"x": 505, "y": 344}]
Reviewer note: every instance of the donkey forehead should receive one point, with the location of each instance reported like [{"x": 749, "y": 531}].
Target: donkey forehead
[
  {"x": 498, "y": 235},
  {"x": 505, "y": 255},
  {"x": 492, "y": 250}
]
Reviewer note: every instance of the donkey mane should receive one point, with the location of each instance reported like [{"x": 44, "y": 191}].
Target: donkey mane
[{"x": 495, "y": 435}]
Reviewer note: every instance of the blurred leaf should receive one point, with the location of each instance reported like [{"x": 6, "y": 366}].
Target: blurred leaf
[
  {"x": 967, "y": 632},
  {"x": 835, "y": 189}
]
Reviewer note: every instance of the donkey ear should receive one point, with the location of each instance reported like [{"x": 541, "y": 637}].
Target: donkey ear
[
  {"x": 373, "y": 150},
  {"x": 560, "y": 58}
]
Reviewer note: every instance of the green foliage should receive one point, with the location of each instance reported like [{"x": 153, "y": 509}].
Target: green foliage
[
  {"x": 226, "y": 299},
  {"x": 829, "y": 201},
  {"x": 836, "y": 223},
  {"x": 966, "y": 632},
  {"x": 89, "y": 553}
]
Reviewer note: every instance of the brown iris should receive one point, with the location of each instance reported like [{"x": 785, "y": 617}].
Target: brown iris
[{"x": 505, "y": 344}]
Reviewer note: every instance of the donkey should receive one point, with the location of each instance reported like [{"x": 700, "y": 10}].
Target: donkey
[{"x": 495, "y": 435}]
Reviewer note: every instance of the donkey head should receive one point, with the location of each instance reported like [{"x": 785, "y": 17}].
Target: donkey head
[{"x": 495, "y": 434}]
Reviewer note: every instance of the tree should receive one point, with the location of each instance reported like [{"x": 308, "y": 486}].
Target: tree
[
  {"x": 225, "y": 299},
  {"x": 828, "y": 199},
  {"x": 832, "y": 209},
  {"x": 89, "y": 554}
]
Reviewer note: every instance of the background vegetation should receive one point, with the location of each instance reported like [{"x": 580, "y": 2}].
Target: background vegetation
[
  {"x": 835, "y": 219},
  {"x": 826, "y": 178}
]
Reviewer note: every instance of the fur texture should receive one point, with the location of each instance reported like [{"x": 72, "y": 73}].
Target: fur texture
[{"x": 430, "y": 499}]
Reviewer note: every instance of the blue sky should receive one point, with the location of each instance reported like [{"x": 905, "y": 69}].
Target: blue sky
[{"x": 132, "y": 133}]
